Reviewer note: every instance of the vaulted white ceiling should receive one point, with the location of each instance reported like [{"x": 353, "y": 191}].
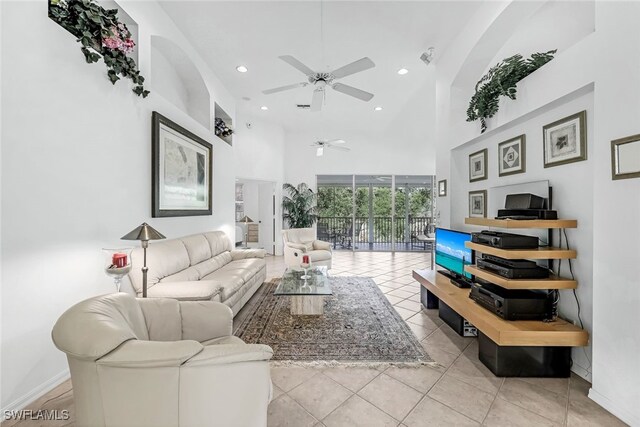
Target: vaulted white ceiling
[{"x": 392, "y": 33}]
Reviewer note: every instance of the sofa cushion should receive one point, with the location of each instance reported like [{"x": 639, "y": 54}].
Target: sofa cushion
[
  {"x": 230, "y": 339},
  {"x": 212, "y": 264},
  {"x": 186, "y": 275},
  {"x": 234, "y": 275},
  {"x": 197, "y": 247},
  {"x": 185, "y": 291},
  {"x": 218, "y": 242},
  {"x": 164, "y": 258}
]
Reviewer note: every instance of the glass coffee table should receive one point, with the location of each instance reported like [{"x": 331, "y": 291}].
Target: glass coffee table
[{"x": 307, "y": 296}]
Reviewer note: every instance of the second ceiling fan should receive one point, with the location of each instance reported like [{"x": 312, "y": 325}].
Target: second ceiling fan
[{"x": 322, "y": 80}]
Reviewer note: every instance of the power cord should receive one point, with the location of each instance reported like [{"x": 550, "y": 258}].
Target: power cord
[{"x": 575, "y": 294}]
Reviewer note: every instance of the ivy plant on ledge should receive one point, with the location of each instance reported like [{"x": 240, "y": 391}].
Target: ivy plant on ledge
[
  {"x": 100, "y": 33},
  {"x": 501, "y": 80}
]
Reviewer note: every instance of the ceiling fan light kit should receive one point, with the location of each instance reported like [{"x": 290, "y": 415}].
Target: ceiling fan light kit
[
  {"x": 334, "y": 144},
  {"x": 322, "y": 80}
]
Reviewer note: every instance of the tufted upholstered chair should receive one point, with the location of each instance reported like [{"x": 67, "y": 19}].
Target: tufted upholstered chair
[{"x": 161, "y": 362}]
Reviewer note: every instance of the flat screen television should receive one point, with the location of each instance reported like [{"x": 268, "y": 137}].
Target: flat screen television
[{"x": 452, "y": 255}]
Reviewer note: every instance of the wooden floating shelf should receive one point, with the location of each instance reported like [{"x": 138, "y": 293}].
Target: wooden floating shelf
[
  {"x": 522, "y": 223},
  {"x": 539, "y": 253},
  {"x": 559, "y": 333},
  {"x": 552, "y": 282}
]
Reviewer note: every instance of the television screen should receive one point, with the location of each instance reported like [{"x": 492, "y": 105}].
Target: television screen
[{"x": 451, "y": 252}]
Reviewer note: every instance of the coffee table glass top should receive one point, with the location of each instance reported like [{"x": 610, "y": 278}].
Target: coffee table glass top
[{"x": 293, "y": 284}]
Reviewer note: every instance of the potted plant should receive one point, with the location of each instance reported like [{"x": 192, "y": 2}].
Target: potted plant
[{"x": 299, "y": 208}]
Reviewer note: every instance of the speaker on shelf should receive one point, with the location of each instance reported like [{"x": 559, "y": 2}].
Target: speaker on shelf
[{"x": 524, "y": 201}]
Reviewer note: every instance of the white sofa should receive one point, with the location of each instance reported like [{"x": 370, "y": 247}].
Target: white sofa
[
  {"x": 200, "y": 267},
  {"x": 303, "y": 241},
  {"x": 162, "y": 363}
]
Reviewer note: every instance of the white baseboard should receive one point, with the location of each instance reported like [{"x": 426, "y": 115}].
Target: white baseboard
[
  {"x": 36, "y": 393},
  {"x": 581, "y": 372},
  {"x": 614, "y": 408}
]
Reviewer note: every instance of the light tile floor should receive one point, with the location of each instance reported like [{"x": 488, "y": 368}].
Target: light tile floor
[{"x": 459, "y": 391}]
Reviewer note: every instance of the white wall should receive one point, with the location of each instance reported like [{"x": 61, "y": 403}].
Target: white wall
[
  {"x": 606, "y": 210},
  {"x": 616, "y": 296},
  {"x": 75, "y": 177}
]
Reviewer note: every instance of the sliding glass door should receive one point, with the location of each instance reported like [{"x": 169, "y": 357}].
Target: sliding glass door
[{"x": 375, "y": 212}]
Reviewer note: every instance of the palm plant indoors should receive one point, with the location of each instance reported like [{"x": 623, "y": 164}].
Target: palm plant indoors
[{"x": 299, "y": 208}]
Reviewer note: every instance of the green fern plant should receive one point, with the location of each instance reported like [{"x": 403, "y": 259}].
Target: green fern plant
[
  {"x": 299, "y": 208},
  {"x": 501, "y": 80}
]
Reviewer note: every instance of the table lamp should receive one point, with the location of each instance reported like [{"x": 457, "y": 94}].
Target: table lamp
[
  {"x": 246, "y": 221},
  {"x": 144, "y": 233}
]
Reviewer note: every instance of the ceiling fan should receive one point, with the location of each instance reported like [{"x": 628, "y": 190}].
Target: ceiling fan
[
  {"x": 334, "y": 144},
  {"x": 320, "y": 80}
]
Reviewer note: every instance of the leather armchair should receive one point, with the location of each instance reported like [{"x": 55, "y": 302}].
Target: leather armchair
[
  {"x": 161, "y": 362},
  {"x": 302, "y": 241}
]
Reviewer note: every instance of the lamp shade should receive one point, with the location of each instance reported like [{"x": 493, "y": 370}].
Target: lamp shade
[
  {"x": 143, "y": 232},
  {"x": 246, "y": 219}
]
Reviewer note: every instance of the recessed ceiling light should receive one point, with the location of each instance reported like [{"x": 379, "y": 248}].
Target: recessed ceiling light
[
  {"x": 378, "y": 108},
  {"x": 242, "y": 69},
  {"x": 264, "y": 108},
  {"x": 403, "y": 71}
]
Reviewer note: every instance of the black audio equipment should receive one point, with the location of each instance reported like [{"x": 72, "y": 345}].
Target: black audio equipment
[
  {"x": 501, "y": 240},
  {"x": 527, "y": 214},
  {"x": 512, "y": 304},
  {"x": 524, "y": 201},
  {"x": 512, "y": 269}
]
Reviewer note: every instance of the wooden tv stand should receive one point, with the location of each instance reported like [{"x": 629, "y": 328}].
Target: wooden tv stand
[{"x": 522, "y": 348}]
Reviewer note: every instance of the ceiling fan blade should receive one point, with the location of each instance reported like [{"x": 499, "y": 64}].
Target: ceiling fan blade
[
  {"x": 297, "y": 65},
  {"x": 355, "y": 67},
  {"x": 337, "y": 141},
  {"x": 333, "y": 147},
  {"x": 283, "y": 88},
  {"x": 316, "y": 101},
  {"x": 352, "y": 91},
  {"x": 319, "y": 151}
]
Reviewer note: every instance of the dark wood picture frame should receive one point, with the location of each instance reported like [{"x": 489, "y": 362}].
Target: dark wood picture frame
[
  {"x": 581, "y": 141},
  {"x": 442, "y": 188},
  {"x": 157, "y": 120},
  {"x": 482, "y": 193},
  {"x": 485, "y": 156},
  {"x": 521, "y": 140}
]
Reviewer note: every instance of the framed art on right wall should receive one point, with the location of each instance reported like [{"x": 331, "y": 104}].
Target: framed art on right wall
[
  {"x": 565, "y": 140},
  {"x": 512, "y": 156},
  {"x": 478, "y": 165}
]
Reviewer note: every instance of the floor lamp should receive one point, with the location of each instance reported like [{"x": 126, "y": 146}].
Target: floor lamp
[
  {"x": 144, "y": 233},
  {"x": 246, "y": 221}
]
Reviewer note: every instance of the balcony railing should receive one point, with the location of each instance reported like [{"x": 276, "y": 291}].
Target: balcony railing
[{"x": 375, "y": 230}]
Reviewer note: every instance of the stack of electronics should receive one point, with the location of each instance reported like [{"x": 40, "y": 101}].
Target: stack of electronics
[
  {"x": 507, "y": 303},
  {"x": 525, "y": 206}
]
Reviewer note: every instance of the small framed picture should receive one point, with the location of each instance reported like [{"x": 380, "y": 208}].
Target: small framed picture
[
  {"x": 512, "y": 156},
  {"x": 478, "y": 204},
  {"x": 442, "y": 188},
  {"x": 478, "y": 166},
  {"x": 565, "y": 140}
]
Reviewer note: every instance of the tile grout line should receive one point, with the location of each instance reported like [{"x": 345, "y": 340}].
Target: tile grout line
[{"x": 492, "y": 402}]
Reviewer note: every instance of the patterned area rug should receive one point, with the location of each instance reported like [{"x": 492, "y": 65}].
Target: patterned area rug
[{"x": 359, "y": 325}]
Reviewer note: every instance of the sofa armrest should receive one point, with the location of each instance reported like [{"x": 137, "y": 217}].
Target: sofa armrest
[
  {"x": 298, "y": 246},
  {"x": 247, "y": 253},
  {"x": 231, "y": 353},
  {"x": 151, "y": 354},
  {"x": 205, "y": 320},
  {"x": 322, "y": 245},
  {"x": 202, "y": 290}
]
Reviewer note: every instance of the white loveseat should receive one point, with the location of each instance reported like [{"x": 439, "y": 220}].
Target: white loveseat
[
  {"x": 302, "y": 241},
  {"x": 201, "y": 267},
  {"x": 162, "y": 363}
]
